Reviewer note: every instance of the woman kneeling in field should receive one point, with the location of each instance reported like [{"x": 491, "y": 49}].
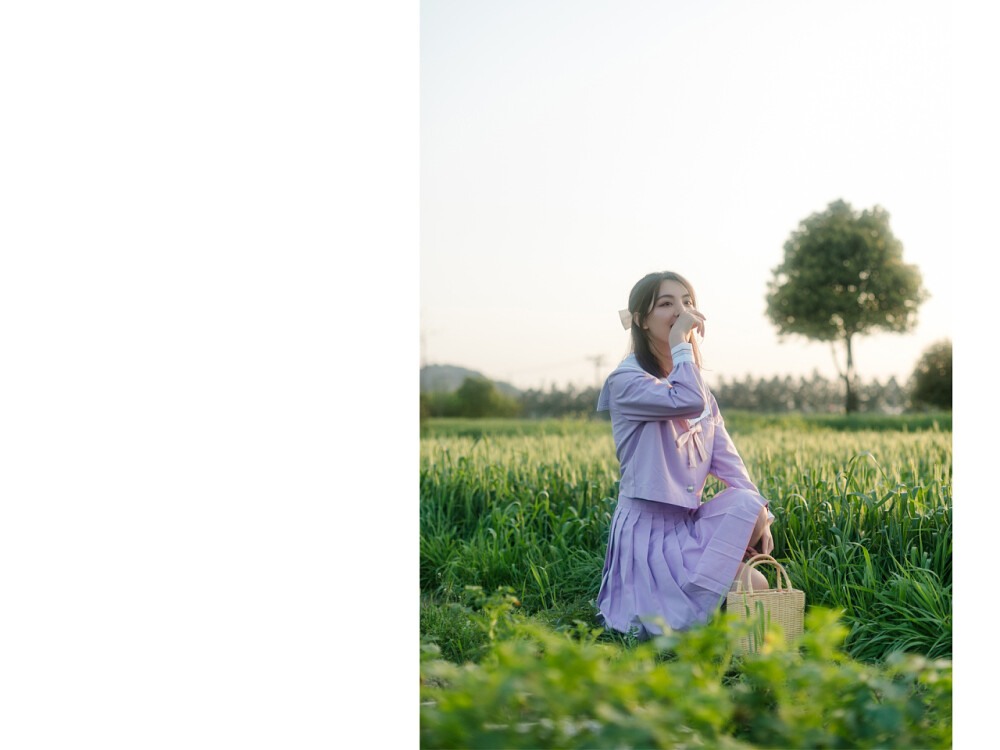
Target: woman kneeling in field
[{"x": 669, "y": 556}]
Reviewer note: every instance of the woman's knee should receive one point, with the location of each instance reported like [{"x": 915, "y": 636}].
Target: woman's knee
[{"x": 750, "y": 577}]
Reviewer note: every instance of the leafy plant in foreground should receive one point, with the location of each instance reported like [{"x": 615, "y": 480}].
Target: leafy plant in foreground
[{"x": 536, "y": 688}]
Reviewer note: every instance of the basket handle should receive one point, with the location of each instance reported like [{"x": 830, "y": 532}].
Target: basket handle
[{"x": 756, "y": 560}]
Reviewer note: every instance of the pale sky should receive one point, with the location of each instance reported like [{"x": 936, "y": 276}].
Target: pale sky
[{"x": 568, "y": 148}]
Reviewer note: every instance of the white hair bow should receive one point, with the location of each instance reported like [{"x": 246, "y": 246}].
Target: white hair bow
[{"x": 626, "y": 317}]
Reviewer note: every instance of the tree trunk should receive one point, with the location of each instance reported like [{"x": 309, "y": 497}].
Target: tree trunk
[{"x": 852, "y": 396}]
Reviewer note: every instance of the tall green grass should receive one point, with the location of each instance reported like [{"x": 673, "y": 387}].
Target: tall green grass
[{"x": 863, "y": 518}]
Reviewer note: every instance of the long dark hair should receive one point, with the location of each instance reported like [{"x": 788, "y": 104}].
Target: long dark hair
[{"x": 640, "y": 300}]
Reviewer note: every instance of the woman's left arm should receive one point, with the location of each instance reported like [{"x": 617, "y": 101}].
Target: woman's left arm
[{"x": 726, "y": 462}]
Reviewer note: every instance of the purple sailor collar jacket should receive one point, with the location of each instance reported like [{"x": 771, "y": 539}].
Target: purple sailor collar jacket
[{"x": 669, "y": 435}]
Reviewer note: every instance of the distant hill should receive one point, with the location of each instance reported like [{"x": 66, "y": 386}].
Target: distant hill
[{"x": 448, "y": 378}]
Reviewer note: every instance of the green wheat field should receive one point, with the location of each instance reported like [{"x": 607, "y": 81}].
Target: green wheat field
[{"x": 514, "y": 517}]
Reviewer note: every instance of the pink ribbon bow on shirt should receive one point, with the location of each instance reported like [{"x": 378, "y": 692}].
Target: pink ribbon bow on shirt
[{"x": 692, "y": 440}]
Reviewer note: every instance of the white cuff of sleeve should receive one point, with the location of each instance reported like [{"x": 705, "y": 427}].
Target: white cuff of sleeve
[{"x": 682, "y": 353}]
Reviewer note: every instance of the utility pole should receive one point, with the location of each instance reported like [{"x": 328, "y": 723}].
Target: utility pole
[
  {"x": 424, "y": 333},
  {"x": 423, "y": 346},
  {"x": 598, "y": 360}
]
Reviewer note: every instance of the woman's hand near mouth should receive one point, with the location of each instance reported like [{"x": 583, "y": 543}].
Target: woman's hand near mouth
[{"x": 687, "y": 322}]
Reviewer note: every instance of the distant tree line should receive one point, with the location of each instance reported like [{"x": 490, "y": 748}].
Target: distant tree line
[
  {"x": 929, "y": 388},
  {"x": 812, "y": 395}
]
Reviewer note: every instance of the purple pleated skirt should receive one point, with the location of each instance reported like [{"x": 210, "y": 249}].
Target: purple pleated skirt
[{"x": 672, "y": 564}]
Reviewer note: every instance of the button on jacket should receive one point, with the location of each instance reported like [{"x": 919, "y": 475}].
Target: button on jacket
[{"x": 669, "y": 434}]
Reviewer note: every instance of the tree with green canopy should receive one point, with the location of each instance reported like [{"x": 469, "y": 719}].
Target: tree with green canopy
[
  {"x": 479, "y": 397},
  {"x": 843, "y": 276},
  {"x": 932, "y": 377}
]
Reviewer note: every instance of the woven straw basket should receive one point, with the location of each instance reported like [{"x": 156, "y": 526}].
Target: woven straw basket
[{"x": 784, "y": 606}]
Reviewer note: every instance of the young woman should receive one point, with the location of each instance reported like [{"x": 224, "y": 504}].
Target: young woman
[{"x": 670, "y": 557}]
